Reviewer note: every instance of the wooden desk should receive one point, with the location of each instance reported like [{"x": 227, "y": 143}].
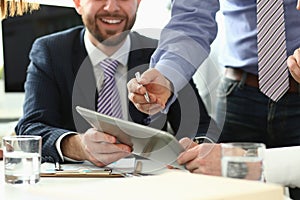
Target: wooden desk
[{"x": 169, "y": 185}]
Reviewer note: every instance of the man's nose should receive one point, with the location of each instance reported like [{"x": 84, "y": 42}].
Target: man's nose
[{"x": 112, "y": 5}]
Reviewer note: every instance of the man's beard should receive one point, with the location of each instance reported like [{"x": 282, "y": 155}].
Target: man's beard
[{"x": 115, "y": 38}]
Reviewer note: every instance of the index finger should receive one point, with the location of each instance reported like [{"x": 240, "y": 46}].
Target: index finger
[
  {"x": 134, "y": 87},
  {"x": 187, "y": 156}
]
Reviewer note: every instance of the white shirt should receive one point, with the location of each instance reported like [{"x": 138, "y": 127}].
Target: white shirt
[
  {"x": 96, "y": 56},
  {"x": 281, "y": 166},
  {"x": 121, "y": 55}
]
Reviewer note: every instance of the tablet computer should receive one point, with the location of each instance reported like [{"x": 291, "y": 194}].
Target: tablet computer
[{"x": 147, "y": 142}]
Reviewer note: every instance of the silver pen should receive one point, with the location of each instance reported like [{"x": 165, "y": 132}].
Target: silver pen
[{"x": 146, "y": 95}]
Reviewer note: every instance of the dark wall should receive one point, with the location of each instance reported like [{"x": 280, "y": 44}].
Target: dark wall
[{"x": 20, "y": 32}]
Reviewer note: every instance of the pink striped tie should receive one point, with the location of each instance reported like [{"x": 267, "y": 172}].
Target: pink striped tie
[
  {"x": 272, "y": 68},
  {"x": 109, "y": 102}
]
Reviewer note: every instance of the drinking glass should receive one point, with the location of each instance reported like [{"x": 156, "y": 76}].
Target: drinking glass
[
  {"x": 22, "y": 159},
  {"x": 243, "y": 160}
]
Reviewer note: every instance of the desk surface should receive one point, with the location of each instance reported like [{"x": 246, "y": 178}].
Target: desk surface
[{"x": 169, "y": 185}]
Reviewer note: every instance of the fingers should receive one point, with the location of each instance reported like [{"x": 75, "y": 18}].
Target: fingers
[
  {"x": 298, "y": 5},
  {"x": 158, "y": 88},
  {"x": 204, "y": 158},
  {"x": 142, "y": 105},
  {"x": 134, "y": 87},
  {"x": 138, "y": 87},
  {"x": 136, "y": 96},
  {"x": 107, "y": 148},
  {"x": 106, "y": 159},
  {"x": 297, "y": 56},
  {"x": 102, "y": 148},
  {"x": 92, "y": 135},
  {"x": 293, "y": 63},
  {"x": 149, "y": 76},
  {"x": 104, "y": 153},
  {"x": 188, "y": 155},
  {"x": 187, "y": 143},
  {"x": 139, "y": 98}
]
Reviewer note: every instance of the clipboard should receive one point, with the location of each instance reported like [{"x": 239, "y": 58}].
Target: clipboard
[
  {"x": 120, "y": 168},
  {"x": 147, "y": 142},
  {"x": 102, "y": 173}
]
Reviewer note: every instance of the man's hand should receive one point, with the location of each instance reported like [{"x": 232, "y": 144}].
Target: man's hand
[
  {"x": 94, "y": 146},
  {"x": 204, "y": 158},
  {"x": 298, "y": 5},
  {"x": 293, "y": 63},
  {"x": 158, "y": 88}
]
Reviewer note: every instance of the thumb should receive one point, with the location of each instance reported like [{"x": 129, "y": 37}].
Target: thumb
[{"x": 149, "y": 76}]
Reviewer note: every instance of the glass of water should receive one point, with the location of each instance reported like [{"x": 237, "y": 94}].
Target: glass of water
[
  {"x": 22, "y": 159},
  {"x": 243, "y": 160}
]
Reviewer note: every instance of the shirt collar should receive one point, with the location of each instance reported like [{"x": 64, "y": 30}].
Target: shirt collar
[{"x": 96, "y": 55}]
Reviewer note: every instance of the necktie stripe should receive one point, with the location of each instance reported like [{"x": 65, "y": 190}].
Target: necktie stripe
[
  {"x": 267, "y": 14},
  {"x": 265, "y": 77},
  {"x": 109, "y": 102},
  {"x": 277, "y": 49},
  {"x": 274, "y": 78},
  {"x": 279, "y": 57},
  {"x": 268, "y": 36},
  {"x": 271, "y": 48},
  {"x": 107, "y": 99},
  {"x": 107, "y": 89},
  {"x": 283, "y": 87}
]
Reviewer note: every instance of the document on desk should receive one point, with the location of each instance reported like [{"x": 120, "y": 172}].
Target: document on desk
[{"x": 117, "y": 169}]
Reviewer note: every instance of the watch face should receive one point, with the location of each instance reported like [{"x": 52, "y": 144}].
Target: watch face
[{"x": 237, "y": 170}]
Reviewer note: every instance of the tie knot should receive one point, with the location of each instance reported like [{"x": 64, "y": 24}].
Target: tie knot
[{"x": 109, "y": 66}]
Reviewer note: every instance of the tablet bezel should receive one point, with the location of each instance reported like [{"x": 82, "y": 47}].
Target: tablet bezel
[{"x": 147, "y": 142}]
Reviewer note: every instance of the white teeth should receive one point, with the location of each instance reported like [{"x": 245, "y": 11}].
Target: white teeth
[{"x": 112, "y": 21}]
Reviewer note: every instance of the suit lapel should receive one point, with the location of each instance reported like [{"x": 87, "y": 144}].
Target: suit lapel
[{"x": 84, "y": 89}]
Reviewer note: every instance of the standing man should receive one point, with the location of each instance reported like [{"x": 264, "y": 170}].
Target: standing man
[
  {"x": 71, "y": 68},
  {"x": 245, "y": 112},
  {"x": 248, "y": 110}
]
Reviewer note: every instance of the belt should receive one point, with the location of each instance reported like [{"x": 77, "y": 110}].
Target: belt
[{"x": 252, "y": 80}]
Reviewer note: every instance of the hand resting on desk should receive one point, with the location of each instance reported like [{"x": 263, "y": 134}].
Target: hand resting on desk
[
  {"x": 204, "y": 158},
  {"x": 99, "y": 148}
]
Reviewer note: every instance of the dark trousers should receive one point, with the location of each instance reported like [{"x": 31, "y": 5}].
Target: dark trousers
[{"x": 245, "y": 114}]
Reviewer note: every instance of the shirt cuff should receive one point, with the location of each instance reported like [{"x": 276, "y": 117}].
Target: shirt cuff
[
  {"x": 281, "y": 166},
  {"x": 170, "y": 70},
  {"x": 58, "y": 144}
]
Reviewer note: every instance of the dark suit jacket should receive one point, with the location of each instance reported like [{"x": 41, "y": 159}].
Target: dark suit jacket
[{"x": 60, "y": 76}]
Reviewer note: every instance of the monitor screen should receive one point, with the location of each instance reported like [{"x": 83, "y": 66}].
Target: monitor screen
[{"x": 19, "y": 33}]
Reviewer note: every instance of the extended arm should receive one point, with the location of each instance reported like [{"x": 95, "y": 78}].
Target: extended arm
[{"x": 184, "y": 44}]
